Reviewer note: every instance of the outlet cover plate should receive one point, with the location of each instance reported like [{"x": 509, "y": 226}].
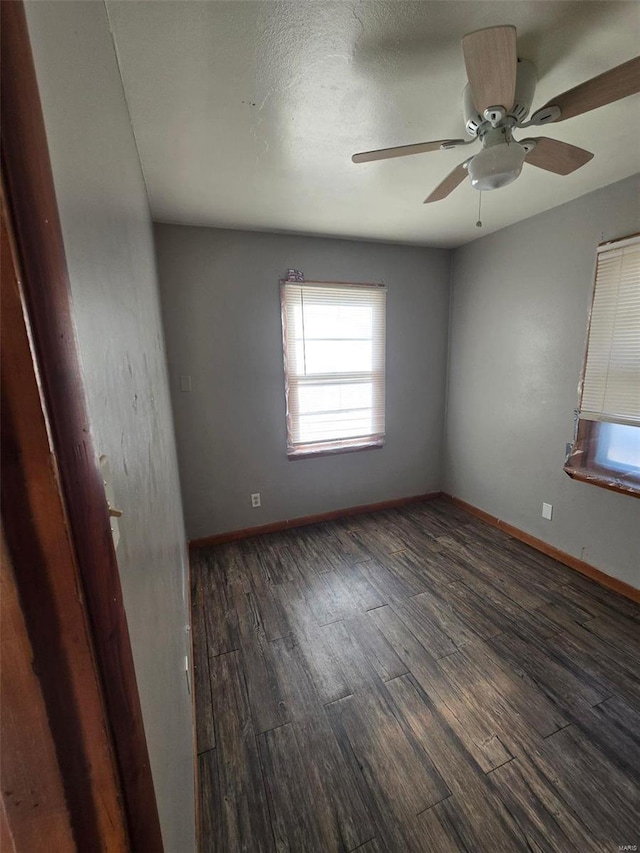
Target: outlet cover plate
[{"x": 547, "y": 511}]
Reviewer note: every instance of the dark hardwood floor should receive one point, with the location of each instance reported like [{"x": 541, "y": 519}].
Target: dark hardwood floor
[{"x": 412, "y": 680}]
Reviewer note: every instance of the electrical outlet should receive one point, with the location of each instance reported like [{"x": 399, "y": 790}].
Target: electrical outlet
[
  {"x": 185, "y": 384},
  {"x": 547, "y": 511},
  {"x": 255, "y": 499}
]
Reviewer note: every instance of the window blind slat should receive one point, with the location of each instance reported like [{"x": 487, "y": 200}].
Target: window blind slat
[
  {"x": 334, "y": 351},
  {"x": 611, "y": 381}
]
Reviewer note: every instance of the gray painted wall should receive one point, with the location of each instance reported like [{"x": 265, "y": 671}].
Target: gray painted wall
[
  {"x": 109, "y": 246},
  {"x": 520, "y": 306},
  {"x": 221, "y": 308}
]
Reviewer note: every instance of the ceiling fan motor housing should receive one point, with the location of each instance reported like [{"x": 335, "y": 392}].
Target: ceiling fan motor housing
[{"x": 525, "y": 89}]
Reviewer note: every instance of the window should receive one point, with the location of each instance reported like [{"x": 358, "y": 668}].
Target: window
[
  {"x": 334, "y": 362},
  {"x": 607, "y": 446},
  {"x": 618, "y": 448}
]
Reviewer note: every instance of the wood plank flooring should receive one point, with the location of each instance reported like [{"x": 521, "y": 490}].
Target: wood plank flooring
[{"x": 411, "y": 680}]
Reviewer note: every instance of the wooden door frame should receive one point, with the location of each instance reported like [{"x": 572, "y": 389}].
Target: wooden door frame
[{"x": 45, "y": 290}]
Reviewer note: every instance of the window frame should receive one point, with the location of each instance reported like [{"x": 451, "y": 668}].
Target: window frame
[
  {"x": 581, "y": 462},
  {"x": 312, "y": 450}
]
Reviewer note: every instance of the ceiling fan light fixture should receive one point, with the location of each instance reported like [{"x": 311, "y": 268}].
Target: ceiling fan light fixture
[
  {"x": 497, "y": 166},
  {"x": 496, "y": 101}
]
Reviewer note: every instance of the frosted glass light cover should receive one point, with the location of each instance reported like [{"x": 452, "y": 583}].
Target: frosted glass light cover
[{"x": 496, "y": 166}]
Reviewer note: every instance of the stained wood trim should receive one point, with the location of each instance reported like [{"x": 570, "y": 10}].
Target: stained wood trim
[
  {"x": 303, "y": 521},
  {"x": 35, "y": 218},
  {"x": 33, "y": 796},
  {"x": 603, "y": 480},
  {"x": 6, "y": 838},
  {"x": 47, "y": 580},
  {"x": 561, "y": 556}
]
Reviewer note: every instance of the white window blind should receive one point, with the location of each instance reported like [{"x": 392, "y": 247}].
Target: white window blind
[
  {"x": 611, "y": 381},
  {"x": 334, "y": 358}
]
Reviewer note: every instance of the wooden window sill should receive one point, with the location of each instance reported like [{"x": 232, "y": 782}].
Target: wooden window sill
[{"x": 605, "y": 480}]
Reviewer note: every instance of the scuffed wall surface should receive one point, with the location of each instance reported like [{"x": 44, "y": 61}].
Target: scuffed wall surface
[
  {"x": 221, "y": 309},
  {"x": 520, "y": 307},
  {"x": 108, "y": 241}
]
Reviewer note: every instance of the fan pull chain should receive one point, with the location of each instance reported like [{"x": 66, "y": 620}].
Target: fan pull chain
[{"x": 479, "y": 222}]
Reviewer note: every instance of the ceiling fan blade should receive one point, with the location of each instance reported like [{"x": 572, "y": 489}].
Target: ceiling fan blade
[
  {"x": 404, "y": 150},
  {"x": 491, "y": 59},
  {"x": 556, "y": 156},
  {"x": 604, "y": 89},
  {"x": 448, "y": 185}
]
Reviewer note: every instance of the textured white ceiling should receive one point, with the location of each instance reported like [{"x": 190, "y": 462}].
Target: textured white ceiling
[{"x": 246, "y": 113}]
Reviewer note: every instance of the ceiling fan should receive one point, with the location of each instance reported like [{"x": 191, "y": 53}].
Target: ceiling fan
[{"x": 497, "y": 100}]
